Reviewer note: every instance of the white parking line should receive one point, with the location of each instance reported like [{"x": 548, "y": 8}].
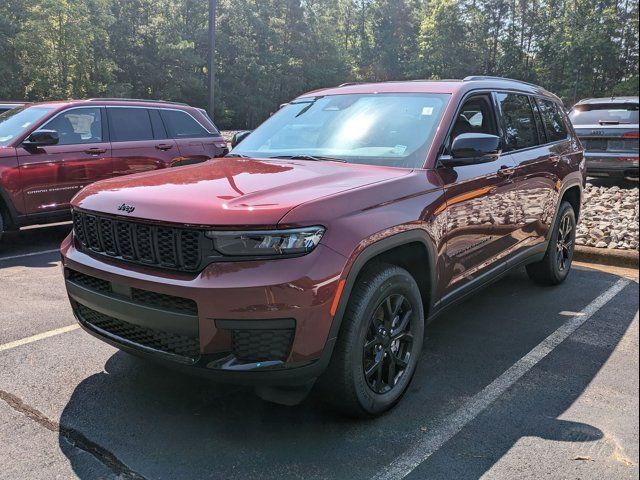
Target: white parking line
[
  {"x": 32, "y": 254},
  {"x": 451, "y": 425},
  {"x": 40, "y": 336}
]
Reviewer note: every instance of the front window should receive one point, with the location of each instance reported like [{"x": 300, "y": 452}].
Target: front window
[
  {"x": 393, "y": 129},
  {"x": 16, "y": 122},
  {"x": 604, "y": 114},
  {"x": 77, "y": 126}
]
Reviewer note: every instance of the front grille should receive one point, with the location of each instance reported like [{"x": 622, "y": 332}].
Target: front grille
[
  {"x": 188, "y": 347},
  {"x": 146, "y": 244},
  {"x": 87, "y": 281},
  {"x": 142, "y": 297},
  {"x": 262, "y": 345},
  {"x": 164, "y": 302}
]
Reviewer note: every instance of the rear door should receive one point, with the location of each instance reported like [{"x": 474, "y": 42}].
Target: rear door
[
  {"x": 139, "y": 141},
  {"x": 536, "y": 158},
  {"x": 52, "y": 175},
  {"x": 195, "y": 142}
]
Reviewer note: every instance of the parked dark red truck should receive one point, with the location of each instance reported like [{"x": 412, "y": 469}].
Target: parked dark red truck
[
  {"x": 49, "y": 151},
  {"x": 325, "y": 241}
]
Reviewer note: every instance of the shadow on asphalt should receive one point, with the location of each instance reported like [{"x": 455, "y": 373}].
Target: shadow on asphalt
[
  {"x": 32, "y": 240},
  {"x": 163, "y": 424}
]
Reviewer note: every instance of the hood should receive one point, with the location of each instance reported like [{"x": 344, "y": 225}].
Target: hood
[
  {"x": 6, "y": 152},
  {"x": 228, "y": 191}
]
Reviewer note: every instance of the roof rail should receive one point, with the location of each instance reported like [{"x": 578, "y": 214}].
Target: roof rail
[
  {"x": 116, "y": 99},
  {"x": 489, "y": 77}
]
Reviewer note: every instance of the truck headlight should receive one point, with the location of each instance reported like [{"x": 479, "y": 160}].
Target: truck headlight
[{"x": 266, "y": 242}]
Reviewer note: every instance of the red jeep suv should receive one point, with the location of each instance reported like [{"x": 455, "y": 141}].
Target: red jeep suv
[
  {"x": 49, "y": 151},
  {"x": 320, "y": 247}
]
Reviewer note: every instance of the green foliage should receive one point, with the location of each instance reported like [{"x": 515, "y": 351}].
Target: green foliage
[{"x": 269, "y": 51}]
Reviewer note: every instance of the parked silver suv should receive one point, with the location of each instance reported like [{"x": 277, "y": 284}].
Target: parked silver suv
[{"x": 608, "y": 128}]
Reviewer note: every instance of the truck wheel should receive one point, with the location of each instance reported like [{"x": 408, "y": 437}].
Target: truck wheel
[
  {"x": 556, "y": 264},
  {"x": 379, "y": 344}
]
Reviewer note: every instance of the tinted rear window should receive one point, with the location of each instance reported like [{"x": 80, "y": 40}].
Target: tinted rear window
[
  {"x": 129, "y": 124},
  {"x": 519, "y": 123},
  {"x": 612, "y": 114},
  {"x": 553, "y": 120},
  {"x": 181, "y": 125}
]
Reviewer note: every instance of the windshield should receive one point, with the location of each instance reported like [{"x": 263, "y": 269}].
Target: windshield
[
  {"x": 14, "y": 122},
  {"x": 375, "y": 129},
  {"x": 613, "y": 114}
]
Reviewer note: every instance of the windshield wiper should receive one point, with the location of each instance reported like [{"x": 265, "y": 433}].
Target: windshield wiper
[
  {"x": 314, "y": 158},
  {"x": 236, "y": 155}
]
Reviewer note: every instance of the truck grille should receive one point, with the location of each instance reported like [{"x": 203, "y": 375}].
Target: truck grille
[
  {"x": 142, "y": 297},
  {"x": 188, "y": 347},
  {"x": 145, "y": 244}
]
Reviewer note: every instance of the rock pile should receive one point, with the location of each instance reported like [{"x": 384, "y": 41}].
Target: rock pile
[{"x": 609, "y": 218}]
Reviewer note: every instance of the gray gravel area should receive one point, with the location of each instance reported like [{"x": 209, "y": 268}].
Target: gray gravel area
[{"x": 609, "y": 217}]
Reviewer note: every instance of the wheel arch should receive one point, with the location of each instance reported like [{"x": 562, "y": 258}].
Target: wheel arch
[
  {"x": 7, "y": 210},
  {"x": 398, "y": 249},
  {"x": 573, "y": 195}
]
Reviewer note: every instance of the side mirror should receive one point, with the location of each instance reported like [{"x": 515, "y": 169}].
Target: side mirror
[
  {"x": 473, "y": 148},
  {"x": 238, "y": 137},
  {"x": 42, "y": 138}
]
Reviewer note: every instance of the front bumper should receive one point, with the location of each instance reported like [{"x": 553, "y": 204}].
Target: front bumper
[
  {"x": 211, "y": 322},
  {"x": 612, "y": 164}
]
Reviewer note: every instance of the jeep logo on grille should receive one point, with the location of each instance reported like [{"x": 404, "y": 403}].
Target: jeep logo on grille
[{"x": 126, "y": 208}]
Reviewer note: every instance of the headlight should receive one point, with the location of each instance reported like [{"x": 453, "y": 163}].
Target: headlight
[{"x": 266, "y": 243}]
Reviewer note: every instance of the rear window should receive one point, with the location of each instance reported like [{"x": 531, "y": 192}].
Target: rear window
[
  {"x": 553, "y": 120},
  {"x": 519, "y": 123},
  {"x": 605, "y": 114},
  {"x": 182, "y": 125},
  {"x": 129, "y": 124}
]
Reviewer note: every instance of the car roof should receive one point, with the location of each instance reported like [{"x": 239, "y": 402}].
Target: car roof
[
  {"x": 434, "y": 86},
  {"x": 602, "y": 101},
  {"x": 128, "y": 102}
]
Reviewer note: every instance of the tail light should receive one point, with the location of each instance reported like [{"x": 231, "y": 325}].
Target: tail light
[{"x": 631, "y": 135}]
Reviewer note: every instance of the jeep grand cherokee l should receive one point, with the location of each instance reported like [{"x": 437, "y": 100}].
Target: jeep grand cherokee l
[
  {"x": 49, "y": 151},
  {"x": 608, "y": 129},
  {"x": 326, "y": 240}
]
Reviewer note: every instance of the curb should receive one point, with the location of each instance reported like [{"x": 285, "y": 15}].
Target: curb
[{"x": 606, "y": 256}]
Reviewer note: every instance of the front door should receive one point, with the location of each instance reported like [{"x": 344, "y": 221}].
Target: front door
[
  {"x": 481, "y": 201},
  {"x": 52, "y": 175}
]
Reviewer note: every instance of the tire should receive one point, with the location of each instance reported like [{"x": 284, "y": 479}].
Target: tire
[
  {"x": 385, "y": 299},
  {"x": 554, "y": 268},
  {"x": 1, "y": 222}
]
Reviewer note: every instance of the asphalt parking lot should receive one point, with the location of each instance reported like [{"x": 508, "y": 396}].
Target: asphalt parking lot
[{"x": 518, "y": 382}]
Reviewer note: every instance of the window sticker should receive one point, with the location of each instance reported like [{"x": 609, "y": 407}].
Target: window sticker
[
  {"x": 426, "y": 111},
  {"x": 399, "y": 149}
]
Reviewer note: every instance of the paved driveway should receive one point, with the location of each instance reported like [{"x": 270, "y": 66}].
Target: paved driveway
[{"x": 518, "y": 382}]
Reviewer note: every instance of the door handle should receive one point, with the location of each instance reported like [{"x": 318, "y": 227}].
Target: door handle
[
  {"x": 95, "y": 151},
  {"x": 505, "y": 172},
  {"x": 164, "y": 146}
]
